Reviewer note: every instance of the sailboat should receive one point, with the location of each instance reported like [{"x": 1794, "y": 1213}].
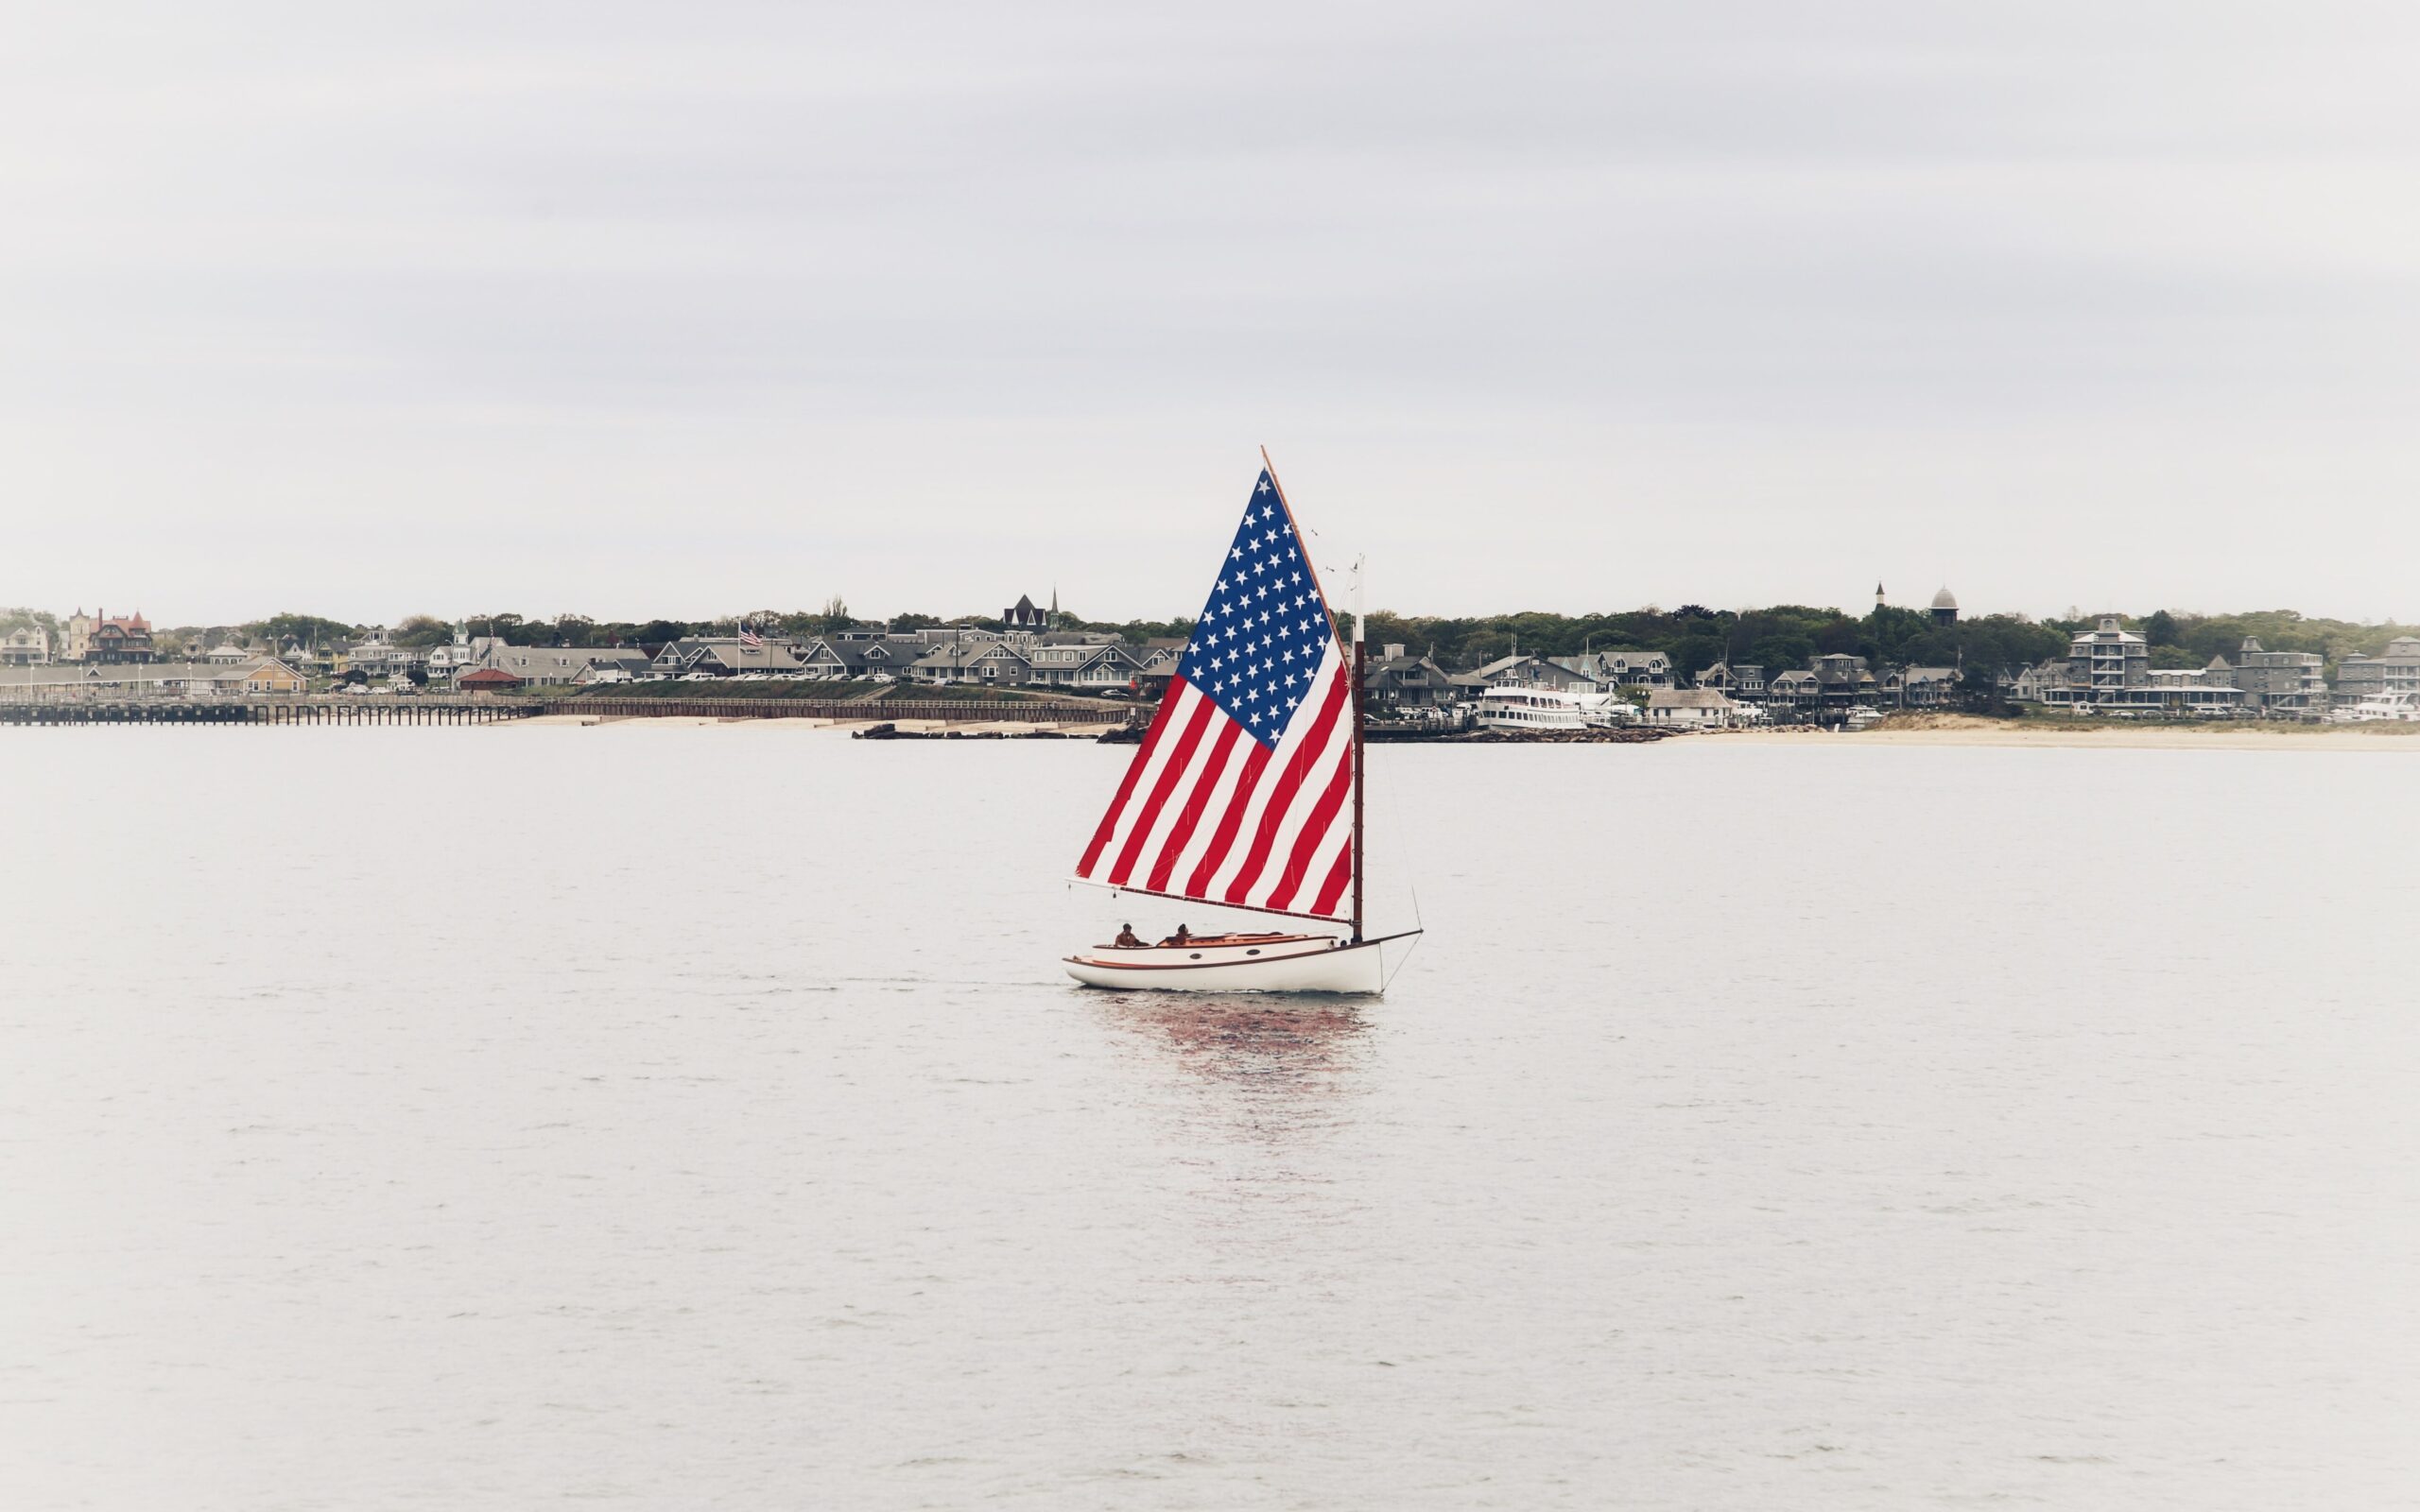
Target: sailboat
[{"x": 1246, "y": 791}]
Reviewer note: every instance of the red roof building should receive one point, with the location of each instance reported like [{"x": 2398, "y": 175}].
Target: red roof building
[
  {"x": 125, "y": 639},
  {"x": 487, "y": 680}
]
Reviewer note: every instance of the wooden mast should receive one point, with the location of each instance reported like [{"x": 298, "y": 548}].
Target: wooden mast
[{"x": 1360, "y": 652}]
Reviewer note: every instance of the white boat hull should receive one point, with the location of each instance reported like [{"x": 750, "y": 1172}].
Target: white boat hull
[{"x": 1327, "y": 966}]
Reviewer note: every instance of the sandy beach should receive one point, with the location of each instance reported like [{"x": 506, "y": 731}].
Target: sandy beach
[{"x": 1965, "y": 729}]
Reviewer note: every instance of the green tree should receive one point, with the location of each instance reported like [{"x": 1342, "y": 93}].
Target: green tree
[
  {"x": 422, "y": 630},
  {"x": 310, "y": 629}
]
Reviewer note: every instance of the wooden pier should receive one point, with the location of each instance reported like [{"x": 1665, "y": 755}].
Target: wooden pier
[
  {"x": 337, "y": 711},
  {"x": 954, "y": 711}
]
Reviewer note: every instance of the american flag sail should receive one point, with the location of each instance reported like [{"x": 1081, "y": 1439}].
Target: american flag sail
[{"x": 1241, "y": 793}]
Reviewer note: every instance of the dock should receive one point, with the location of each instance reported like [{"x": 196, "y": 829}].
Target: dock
[{"x": 273, "y": 711}]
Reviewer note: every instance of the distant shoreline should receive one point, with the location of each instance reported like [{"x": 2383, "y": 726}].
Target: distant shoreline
[{"x": 2095, "y": 733}]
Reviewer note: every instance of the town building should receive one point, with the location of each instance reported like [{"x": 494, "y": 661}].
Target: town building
[
  {"x": 1022, "y": 615},
  {"x": 2108, "y": 670},
  {"x": 446, "y": 663},
  {"x": 263, "y": 675},
  {"x": 1742, "y": 682},
  {"x": 1919, "y": 687},
  {"x": 552, "y": 663},
  {"x": 2394, "y": 670},
  {"x": 1842, "y": 682},
  {"x": 26, "y": 646},
  {"x": 1621, "y": 668},
  {"x": 1945, "y": 607},
  {"x": 121, "y": 679},
  {"x": 1690, "y": 709},
  {"x": 2105, "y": 660},
  {"x": 1089, "y": 667},
  {"x": 1795, "y": 692},
  {"x": 102, "y": 638},
  {"x": 2281, "y": 684},
  {"x": 1530, "y": 672},
  {"x": 987, "y": 663},
  {"x": 1395, "y": 678}
]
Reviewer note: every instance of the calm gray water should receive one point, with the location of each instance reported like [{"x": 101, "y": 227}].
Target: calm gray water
[{"x": 695, "y": 1118}]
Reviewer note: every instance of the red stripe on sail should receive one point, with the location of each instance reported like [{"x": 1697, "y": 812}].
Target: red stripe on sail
[
  {"x": 1338, "y": 877},
  {"x": 1194, "y": 802},
  {"x": 1203, "y": 711},
  {"x": 1314, "y": 831},
  {"x": 1141, "y": 759},
  {"x": 1221, "y": 838},
  {"x": 1298, "y": 766}
]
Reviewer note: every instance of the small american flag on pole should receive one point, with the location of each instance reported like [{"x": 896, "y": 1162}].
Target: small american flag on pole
[
  {"x": 748, "y": 636},
  {"x": 1241, "y": 791}
]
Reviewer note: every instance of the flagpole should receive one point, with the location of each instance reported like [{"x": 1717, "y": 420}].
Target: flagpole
[{"x": 1354, "y": 661}]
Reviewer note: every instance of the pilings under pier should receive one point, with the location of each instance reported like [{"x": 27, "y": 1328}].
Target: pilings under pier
[{"x": 339, "y": 710}]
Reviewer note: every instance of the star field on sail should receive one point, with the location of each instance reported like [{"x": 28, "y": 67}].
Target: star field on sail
[{"x": 1241, "y": 791}]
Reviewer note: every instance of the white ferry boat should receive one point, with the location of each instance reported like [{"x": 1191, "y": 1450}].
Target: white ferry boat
[
  {"x": 2382, "y": 708},
  {"x": 1550, "y": 709}
]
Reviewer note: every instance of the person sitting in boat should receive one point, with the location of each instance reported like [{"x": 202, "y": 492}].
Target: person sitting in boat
[
  {"x": 1182, "y": 937},
  {"x": 1127, "y": 936}
]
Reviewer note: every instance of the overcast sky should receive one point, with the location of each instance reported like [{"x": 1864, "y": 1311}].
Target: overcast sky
[{"x": 684, "y": 308}]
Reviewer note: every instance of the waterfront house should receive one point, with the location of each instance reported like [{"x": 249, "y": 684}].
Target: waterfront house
[
  {"x": 2034, "y": 684},
  {"x": 1621, "y": 668},
  {"x": 998, "y": 666},
  {"x": 487, "y": 680},
  {"x": 819, "y": 661},
  {"x": 1397, "y": 679},
  {"x": 26, "y": 646},
  {"x": 863, "y": 651},
  {"x": 1083, "y": 666},
  {"x": 1793, "y": 692},
  {"x": 1919, "y": 687},
  {"x": 266, "y": 675},
  {"x": 380, "y": 657},
  {"x": 1690, "y": 709},
  {"x": 555, "y": 664},
  {"x": 1531, "y": 672},
  {"x": 227, "y": 654},
  {"x": 1740, "y": 683},
  {"x": 963, "y": 661},
  {"x": 1842, "y": 682},
  {"x": 2394, "y": 670},
  {"x": 712, "y": 656},
  {"x": 446, "y": 663},
  {"x": 121, "y": 640},
  {"x": 2281, "y": 684},
  {"x": 2108, "y": 670},
  {"x": 1162, "y": 656}
]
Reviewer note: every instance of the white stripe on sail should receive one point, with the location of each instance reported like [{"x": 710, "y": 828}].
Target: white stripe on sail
[
  {"x": 1273, "y": 774},
  {"x": 1139, "y": 797},
  {"x": 1297, "y": 817},
  {"x": 1222, "y": 796},
  {"x": 1338, "y": 838},
  {"x": 1147, "y": 858}
]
